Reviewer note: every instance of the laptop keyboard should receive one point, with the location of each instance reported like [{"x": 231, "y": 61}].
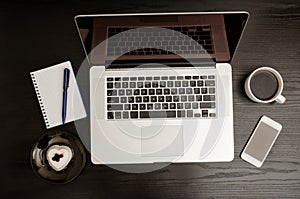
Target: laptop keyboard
[
  {"x": 161, "y": 97},
  {"x": 159, "y": 42}
]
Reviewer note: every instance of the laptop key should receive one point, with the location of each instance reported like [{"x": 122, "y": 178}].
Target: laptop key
[
  {"x": 111, "y": 107},
  {"x": 212, "y": 115},
  {"x": 168, "y": 98},
  {"x": 204, "y": 90},
  {"x": 187, "y": 105},
  {"x": 134, "y": 114},
  {"x": 146, "y": 99},
  {"x": 157, "y": 106},
  {"x": 125, "y": 115},
  {"x": 113, "y": 100},
  {"x": 138, "y": 99},
  {"x": 191, "y": 98},
  {"x": 134, "y": 107},
  {"x": 143, "y": 91},
  {"x": 192, "y": 83},
  {"x": 128, "y": 92},
  {"x": 111, "y": 92},
  {"x": 170, "y": 83},
  {"x": 149, "y": 106},
  {"x": 158, "y": 91},
  {"x": 124, "y": 84},
  {"x": 121, "y": 92},
  {"x": 196, "y": 90},
  {"x": 157, "y": 114},
  {"x": 189, "y": 90},
  {"x": 189, "y": 113},
  {"x": 151, "y": 91},
  {"x": 183, "y": 98},
  {"x": 165, "y": 106},
  {"x": 130, "y": 99},
  {"x": 161, "y": 98},
  {"x": 117, "y": 85},
  {"x": 153, "y": 98},
  {"x": 174, "y": 91},
  {"x": 132, "y": 84},
  {"x": 179, "y": 105},
  {"x": 110, "y": 85},
  {"x": 180, "y": 113},
  {"x": 140, "y": 84},
  {"x": 147, "y": 84},
  {"x": 117, "y": 115},
  {"x": 204, "y": 113},
  {"x": 199, "y": 83},
  {"x": 185, "y": 83},
  {"x": 210, "y": 83},
  {"x": 172, "y": 106},
  {"x": 136, "y": 91},
  {"x": 177, "y": 83},
  {"x": 127, "y": 106},
  {"x": 175, "y": 98},
  {"x": 110, "y": 115},
  {"x": 123, "y": 99},
  {"x": 197, "y": 115},
  {"x": 211, "y": 90},
  {"x": 195, "y": 105},
  {"x": 181, "y": 91},
  {"x": 209, "y": 98},
  {"x": 207, "y": 105},
  {"x": 162, "y": 84},
  {"x": 198, "y": 97},
  {"x": 154, "y": 84},
  {"x": 142, "y": 106},
  {"x": 166, "y": 91}
]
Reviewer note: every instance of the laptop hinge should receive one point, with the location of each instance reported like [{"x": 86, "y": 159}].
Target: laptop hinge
[{"x": 122, "y": 64}]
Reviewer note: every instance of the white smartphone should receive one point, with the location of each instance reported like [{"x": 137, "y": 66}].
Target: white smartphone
[{"x": 261, "y": 141}]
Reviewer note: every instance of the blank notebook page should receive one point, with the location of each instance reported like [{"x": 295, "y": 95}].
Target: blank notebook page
[{"x": 48, "y": 84}]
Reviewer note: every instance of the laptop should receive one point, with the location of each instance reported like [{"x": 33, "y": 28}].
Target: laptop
[{"x": 161, "y": 85}]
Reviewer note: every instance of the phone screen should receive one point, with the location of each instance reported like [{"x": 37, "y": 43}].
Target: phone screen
[{"x": 261, "y": 141}]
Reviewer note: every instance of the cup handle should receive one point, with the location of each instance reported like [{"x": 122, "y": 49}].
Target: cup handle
[{"x": 280, "y": 99}]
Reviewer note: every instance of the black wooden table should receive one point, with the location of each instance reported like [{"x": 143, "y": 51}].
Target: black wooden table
[{"x": 38, "y": 34}]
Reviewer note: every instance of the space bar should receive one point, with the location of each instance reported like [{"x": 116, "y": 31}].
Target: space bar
[{"x": 157, "y": 114}]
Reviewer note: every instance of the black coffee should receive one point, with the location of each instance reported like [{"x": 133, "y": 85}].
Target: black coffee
[{"x": 264, "y": 85}]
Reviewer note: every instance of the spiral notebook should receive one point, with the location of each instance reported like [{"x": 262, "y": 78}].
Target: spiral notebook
[{"x": 48, "y": 84}]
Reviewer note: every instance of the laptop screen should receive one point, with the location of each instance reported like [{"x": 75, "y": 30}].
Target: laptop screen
[{"x": 142, "y": 38}]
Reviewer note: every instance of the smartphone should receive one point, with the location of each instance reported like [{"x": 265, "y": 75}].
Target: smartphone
[{"x": 261, "y": 141}]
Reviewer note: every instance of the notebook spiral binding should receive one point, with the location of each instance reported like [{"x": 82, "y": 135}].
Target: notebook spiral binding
[{"x": 40, "y": 100}]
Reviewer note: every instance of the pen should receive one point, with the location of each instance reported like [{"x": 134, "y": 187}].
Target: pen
[{"x": 65, "y": 94}]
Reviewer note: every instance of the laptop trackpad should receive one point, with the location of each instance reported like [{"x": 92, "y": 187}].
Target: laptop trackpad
[{"x": 162, "y": 141}]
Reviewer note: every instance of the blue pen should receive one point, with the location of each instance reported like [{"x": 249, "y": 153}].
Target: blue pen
[{"x": 65, "y": 94}]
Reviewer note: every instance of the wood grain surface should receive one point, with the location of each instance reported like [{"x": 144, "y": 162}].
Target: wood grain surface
[{"x": 41, "y": 33}]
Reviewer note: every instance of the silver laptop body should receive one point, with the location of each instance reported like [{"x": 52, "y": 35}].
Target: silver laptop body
[{"x": 161, "y": 85}]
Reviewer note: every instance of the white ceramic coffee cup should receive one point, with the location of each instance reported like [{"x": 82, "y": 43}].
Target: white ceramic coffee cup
[{"x": 277, "y": 97}]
